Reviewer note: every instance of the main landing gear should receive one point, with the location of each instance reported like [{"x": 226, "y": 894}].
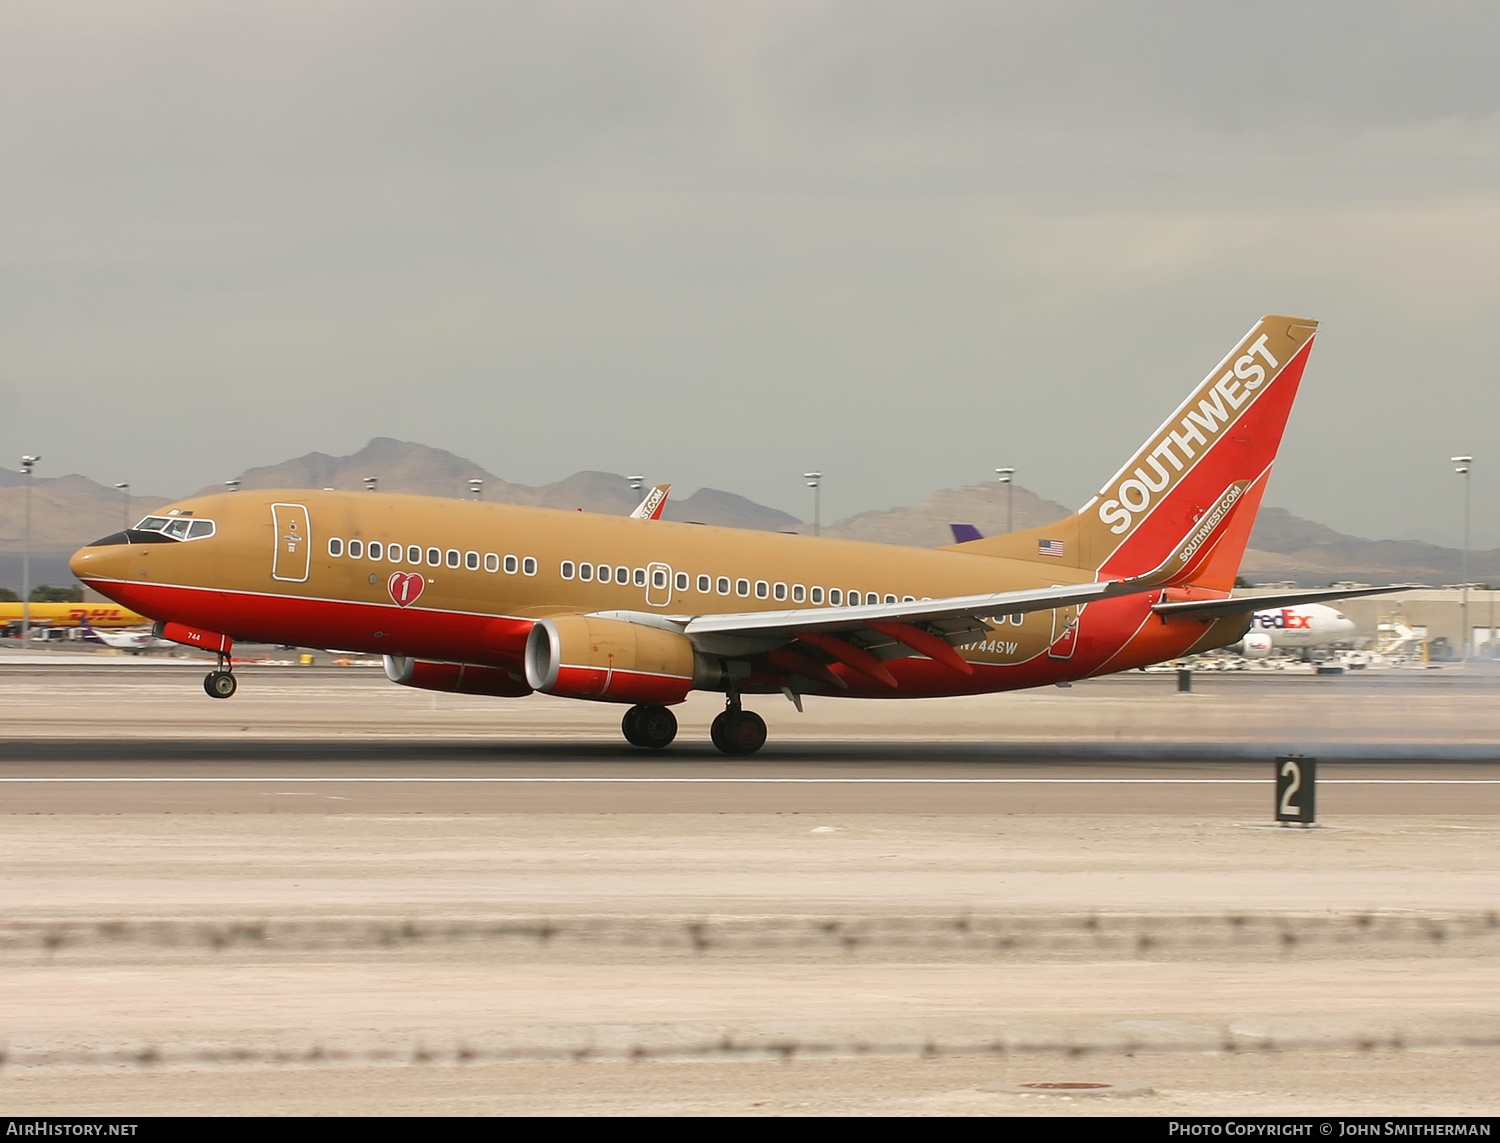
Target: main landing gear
[
  {"x": 221, "y": 683},
  {"x": 738, "y": 731},
  {"x": 649, "y": 727}
]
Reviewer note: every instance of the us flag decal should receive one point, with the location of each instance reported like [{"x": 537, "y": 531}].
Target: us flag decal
[{"x": 1049, "y": 547}]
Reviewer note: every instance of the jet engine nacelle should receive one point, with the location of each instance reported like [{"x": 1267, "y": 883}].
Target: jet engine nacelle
[
  {"x": 1256, "y": 645},
  {"x": 459, "y": 678},
  {"x": 611, "y": 660}
]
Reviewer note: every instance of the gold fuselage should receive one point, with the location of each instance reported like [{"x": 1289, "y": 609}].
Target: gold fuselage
[{"x": 243, "y": 582}]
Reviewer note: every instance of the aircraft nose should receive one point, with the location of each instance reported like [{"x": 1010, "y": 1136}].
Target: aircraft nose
[{"x": 103, "y": 559}]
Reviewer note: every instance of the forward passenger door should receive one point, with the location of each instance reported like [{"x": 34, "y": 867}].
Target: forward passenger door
[{"x": 293, "y": 543}]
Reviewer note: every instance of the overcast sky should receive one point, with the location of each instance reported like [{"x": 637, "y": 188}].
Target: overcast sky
[{"x": 720, "y": 244}]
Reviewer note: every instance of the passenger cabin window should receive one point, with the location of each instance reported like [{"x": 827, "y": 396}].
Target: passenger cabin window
[
  {"x": 335, "y": 547},
  {"x": 742, "y": 587},
  {"x": 453, "y": 558},
  {"x": 705, "y": 584},
  {"x": 799, "y": 593},
  {"x": 640, "y": 577},
  {"x": 723, "y": 585},
  {"x": 356, "y": 548},
  {"x": 604, "y": 573},
  {"x": 434, "y": 557},
  {"x": 658, "y": 578},
  {"x": 890, "y": 599},
  {"x": 414, "y": 555},
  {"x": 780, "y": 591},
  {"x": 854, "y": 599},
  {"x": 510, "y": 565},
  {"x": 471, "y": 561},
  {"x": 374, "y": 550},
  {"x": 835, "y": 597},
  {"x": 528, "y": 565},
  {"x": 762, "y": 589},
  {"x": 491, "y": 562},
  {"x": 682, "y": 581},
  {"x": 622, "y": 576},
  {"x": 817, "y": 595},
  {"x": 586, "y": 572},
  {"x": 393, "y": 553},
  {"x": 567, "y": 569}
]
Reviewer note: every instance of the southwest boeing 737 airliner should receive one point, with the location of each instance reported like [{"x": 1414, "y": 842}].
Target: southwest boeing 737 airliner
[{"x": 495, "y": 599}]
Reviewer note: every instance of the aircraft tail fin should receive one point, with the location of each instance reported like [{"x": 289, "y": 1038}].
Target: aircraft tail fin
[
  {"x": 651, "y": 507},
  {"x": 1181, "y": 509}
]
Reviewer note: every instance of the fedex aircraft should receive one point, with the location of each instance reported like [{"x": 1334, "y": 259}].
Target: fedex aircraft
[
  {"x": 1279, "y": 628},
  {"x": 497, "y": 599}
]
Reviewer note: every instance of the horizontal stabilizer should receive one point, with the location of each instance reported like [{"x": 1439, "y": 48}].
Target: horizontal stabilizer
[{"x": 1213, "y": 608}]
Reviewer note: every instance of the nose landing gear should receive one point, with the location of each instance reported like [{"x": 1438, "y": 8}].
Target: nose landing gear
[{"x": 221, "y": 684}]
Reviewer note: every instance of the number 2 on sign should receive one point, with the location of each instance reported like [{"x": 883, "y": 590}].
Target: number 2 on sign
[{"x": 1294, "y": 772}]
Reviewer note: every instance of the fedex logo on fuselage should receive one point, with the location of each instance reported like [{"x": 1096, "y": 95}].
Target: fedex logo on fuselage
[
  {"x": 1193, "y": 436},
  {"x": 1284, "y": 620}
]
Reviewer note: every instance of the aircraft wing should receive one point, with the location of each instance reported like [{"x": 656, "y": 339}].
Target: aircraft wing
[
  {"x": 1213, "y": 608},
  {"x": 864, "y": 637},
  {"x": 967, "y": 608}
]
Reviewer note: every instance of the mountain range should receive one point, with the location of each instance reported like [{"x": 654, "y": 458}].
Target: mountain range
[{"x": 69, "y": 511}]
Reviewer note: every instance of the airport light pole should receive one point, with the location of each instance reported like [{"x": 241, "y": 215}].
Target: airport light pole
[
  {"x": 27, "y": 464},
  {"x": 476, "y": 489},
  {"x": 815, "y": 482},
  {"x": 1463, "y": 465},
  {"x": 1006, "y": 476},
  {"x": 125, "y": 508}
]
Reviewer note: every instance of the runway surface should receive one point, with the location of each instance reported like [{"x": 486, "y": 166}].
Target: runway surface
[{"x": 331, "y": 895}]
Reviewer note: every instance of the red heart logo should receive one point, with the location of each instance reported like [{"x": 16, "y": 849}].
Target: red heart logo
[{"x": 405, "y": 587}]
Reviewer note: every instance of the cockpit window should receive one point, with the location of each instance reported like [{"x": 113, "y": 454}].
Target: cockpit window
[{"x": 177, "y": 527}]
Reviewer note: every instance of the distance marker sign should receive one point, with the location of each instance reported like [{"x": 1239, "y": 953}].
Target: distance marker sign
[{"x": 1296, "y": 789}]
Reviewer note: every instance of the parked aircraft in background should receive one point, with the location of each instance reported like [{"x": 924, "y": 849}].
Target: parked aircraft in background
[
  {"x": 135, "y": 640},
  {"x": 101, "y": 615},
  {"x": 1293, "y": 628},
  {"x": 496, "y": 599}
]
